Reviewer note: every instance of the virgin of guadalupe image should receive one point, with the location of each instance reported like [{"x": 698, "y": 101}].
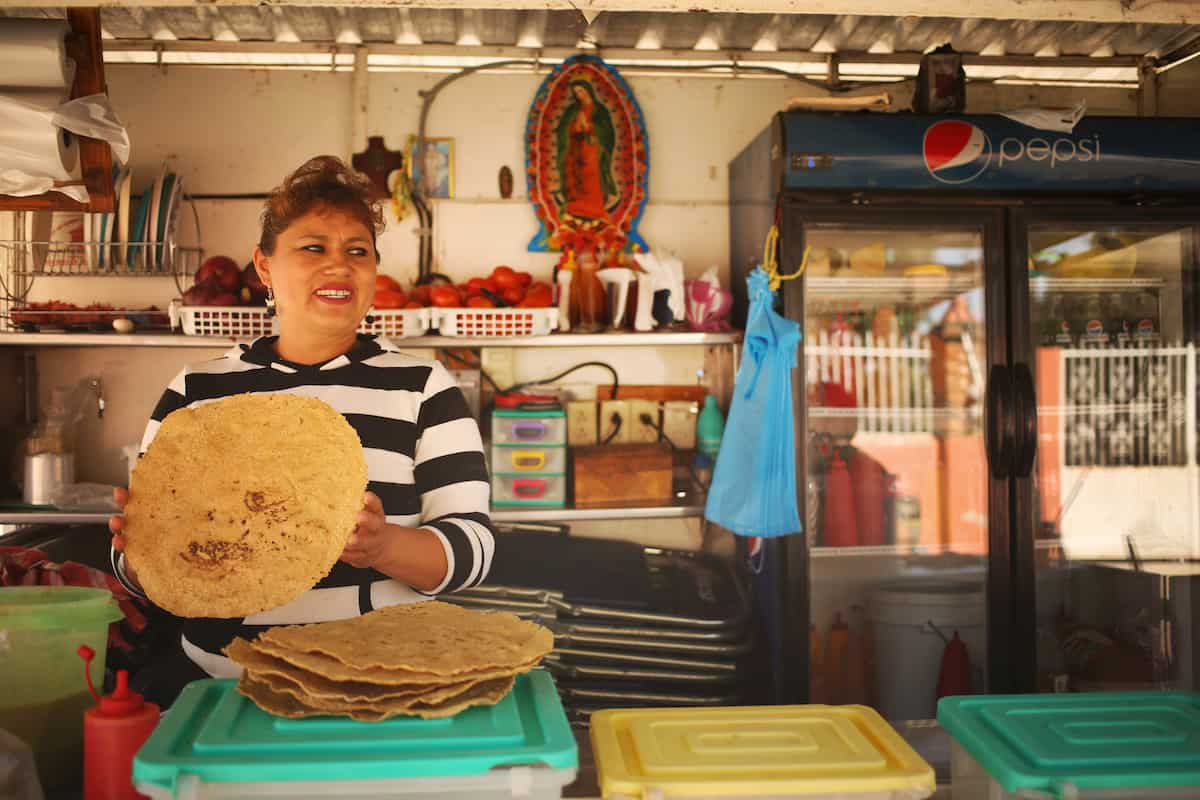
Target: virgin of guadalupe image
[{"x": 586, "y": 139}]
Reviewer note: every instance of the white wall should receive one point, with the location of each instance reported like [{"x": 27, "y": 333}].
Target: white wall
[{"x": 234, "y": 131}]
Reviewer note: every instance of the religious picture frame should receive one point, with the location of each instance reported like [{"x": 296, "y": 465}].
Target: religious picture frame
[{"x": 432, "y": 171}]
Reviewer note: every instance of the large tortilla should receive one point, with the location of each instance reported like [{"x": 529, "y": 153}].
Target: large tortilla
[
  {"x": 429, "y": 659},
  {"x": 282, "y": 703},
  {"x": 398, "y": 679},
  {"x": 243, "y": 504},
  {"x": 430, "y": 637}
]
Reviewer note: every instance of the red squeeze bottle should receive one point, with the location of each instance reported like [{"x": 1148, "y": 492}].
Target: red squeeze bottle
[
  {"x": 870, "y": 488},
  {"x": 839, "y": 524},
  {"x": 955, "y": 676},
  {"x": 113, "y": 732}
]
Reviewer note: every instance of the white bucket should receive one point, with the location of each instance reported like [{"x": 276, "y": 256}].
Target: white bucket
[{"x": 908, "y": 649}]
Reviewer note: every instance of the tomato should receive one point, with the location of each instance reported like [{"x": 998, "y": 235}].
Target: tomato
[
  {"x": 420, "y": 294},
  {"x": 388, "y": 298},
  {"x": 464, "y": 291},
  {"x": 477, "y": 285},
  {"x": 413, "y": 304},
  {"x": 387, "y": 283},
  {"x": 445, "y": 297},
  {"x": 513, "y": 295},
  {"x": 539, "y": 296},
  {"x": 479, "y": 301},
  {"x": 505, "y": 278},
  {"x": 524, "y": 278}
]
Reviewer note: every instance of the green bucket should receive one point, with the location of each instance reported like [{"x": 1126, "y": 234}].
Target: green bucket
[{"x": 41, "y": 628}]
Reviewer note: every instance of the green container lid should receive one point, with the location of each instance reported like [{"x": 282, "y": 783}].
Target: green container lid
[
  {"x": 56, "y": 607},
  {"x": 513, "y": 413},
  {"x": 1102, "y": 740},
  {"x": 219, "y": 736}
]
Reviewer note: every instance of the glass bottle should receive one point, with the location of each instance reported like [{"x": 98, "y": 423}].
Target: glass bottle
[{"x": 588, "y": 295}]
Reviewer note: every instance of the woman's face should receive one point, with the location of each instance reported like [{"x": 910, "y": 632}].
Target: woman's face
[
  {"x": 581, "y": 93},
  {"x": 322, "y": 272}
]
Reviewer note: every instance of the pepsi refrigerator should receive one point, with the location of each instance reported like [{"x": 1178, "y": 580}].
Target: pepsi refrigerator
[{"x": 996, "y": 404}]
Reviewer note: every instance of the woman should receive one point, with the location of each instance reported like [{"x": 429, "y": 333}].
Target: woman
[
  {"x": 424, "y": 527},
  {"x": 585, "y": 149}
]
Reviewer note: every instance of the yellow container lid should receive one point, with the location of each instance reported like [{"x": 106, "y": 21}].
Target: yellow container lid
[{"x": 749, "y": 751}]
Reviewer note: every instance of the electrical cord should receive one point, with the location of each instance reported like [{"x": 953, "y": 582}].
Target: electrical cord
[
  {"x": 516, "y": 387},
  {"x": 616, "y": 420}
]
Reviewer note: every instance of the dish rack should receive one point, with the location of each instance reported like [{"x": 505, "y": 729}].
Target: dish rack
[
  {"x": 496, "y": 322},
  {"x": 248, "y": 322}
]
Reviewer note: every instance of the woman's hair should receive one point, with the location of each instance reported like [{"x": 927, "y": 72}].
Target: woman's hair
[{"x": 320, "y": 182}]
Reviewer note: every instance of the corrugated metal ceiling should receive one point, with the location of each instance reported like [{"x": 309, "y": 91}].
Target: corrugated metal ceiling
[{"x": 628, "y": 29}]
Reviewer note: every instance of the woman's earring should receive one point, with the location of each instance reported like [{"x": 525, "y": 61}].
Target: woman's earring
[
  {"x": 270, "y": 302},
  {"x": 370, "y": 318}
]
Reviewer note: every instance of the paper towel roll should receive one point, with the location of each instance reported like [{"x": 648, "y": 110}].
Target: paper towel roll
[
  {"x": 32, "y": 55},
  {"x": 29, "y": 142},
  {"x": 48, "y": 99}
]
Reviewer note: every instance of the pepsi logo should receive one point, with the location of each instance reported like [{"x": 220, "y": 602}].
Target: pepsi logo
[
  {"x": 1145, "y": 328},
  {"x": 956, "y": 151}
]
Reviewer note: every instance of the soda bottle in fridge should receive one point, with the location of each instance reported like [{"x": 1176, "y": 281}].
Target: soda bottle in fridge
[
  {"x": 1094, "y": 332},
  {"x": 1146, "y": 328}
]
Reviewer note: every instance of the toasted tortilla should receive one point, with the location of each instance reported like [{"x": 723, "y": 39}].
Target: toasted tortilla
[
  {"x": 430, "y": 637},
  {"x": 243, "y": 504}
]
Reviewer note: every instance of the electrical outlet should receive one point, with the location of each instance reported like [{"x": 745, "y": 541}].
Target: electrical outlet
[
  {"x": 607, "y": 409},
  {"x": 679, "y": 423},
  {"x": 500, "y": 363},
  {"x": 640, "y": 431},
  {"x": 581, "y": 423}
]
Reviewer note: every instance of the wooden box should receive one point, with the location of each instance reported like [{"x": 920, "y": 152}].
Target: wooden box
[{"x": 622, "y": 474}]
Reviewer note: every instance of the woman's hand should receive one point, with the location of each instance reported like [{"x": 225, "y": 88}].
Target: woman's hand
[
  {"x": 410, "y": 555},
  {"x": 368, "y": 545},
  {"x": 116, "y": 524}
]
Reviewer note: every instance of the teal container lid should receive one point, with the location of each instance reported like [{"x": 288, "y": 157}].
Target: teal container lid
[
  {"x": 219, "y": 736},
  {"x": 544, "y": 413},
  {"x": 1102, "y": 740},
  {"x": 56, "y": 607}
]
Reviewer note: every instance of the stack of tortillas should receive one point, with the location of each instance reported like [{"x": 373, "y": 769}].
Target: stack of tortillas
[
  {"x": 428, "y": 659},
  {"x": 243, "y": 504}
]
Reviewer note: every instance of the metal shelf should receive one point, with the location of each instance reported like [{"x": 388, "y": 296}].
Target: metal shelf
[
  {"x": 884, "y": 550},
  {"x": 498, "y": 515},
  {"x": 585, "y": 514},
  {"x": 1045, "y": 284},
  {"x": 614, "y": 339},
  {"x": 922, "y": 288}
]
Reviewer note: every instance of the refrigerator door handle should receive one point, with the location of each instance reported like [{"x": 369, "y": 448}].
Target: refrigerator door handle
[
  {"x": 1025, "y": 417},
  {"x": 998, "y": 396}
]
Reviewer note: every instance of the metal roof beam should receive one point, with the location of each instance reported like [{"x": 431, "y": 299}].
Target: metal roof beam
[
  {"x": 630, "y": 54},
  {"x": 1143, "y": 11}
]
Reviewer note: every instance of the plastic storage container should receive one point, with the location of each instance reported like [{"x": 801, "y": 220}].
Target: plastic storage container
[
  {"x": 538, "y": 428},
  {"x": 909, "y": 621},
  {"x": 244, "y": 322},
  {"x": 517, "y": 459},
  {"x": 532, "y": 490},
  {"x": 45, "y": 693},
  {"x": 215, "y": 743},
  {"x": 1110, "y": 745},
  {"x": 775, "y": 752}
]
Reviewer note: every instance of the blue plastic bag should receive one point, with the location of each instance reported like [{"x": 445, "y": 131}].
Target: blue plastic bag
[{"x": 753, "y": 490}]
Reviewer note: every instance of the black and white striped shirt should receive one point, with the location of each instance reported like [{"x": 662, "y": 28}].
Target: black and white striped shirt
[{"x": 424, "y": 460}]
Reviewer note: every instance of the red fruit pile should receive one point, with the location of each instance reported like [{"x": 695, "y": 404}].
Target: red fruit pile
[{"x": 221, "y": 282}]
